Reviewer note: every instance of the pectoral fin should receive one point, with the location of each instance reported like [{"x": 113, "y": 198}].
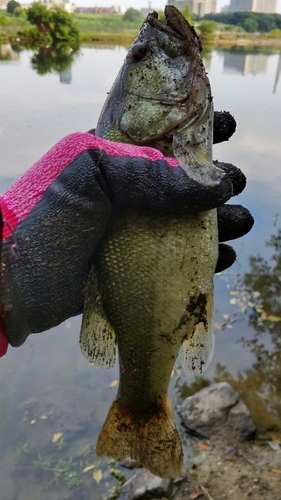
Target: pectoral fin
[
  {"x": 97, "y": 336},
  {"x": 198, "y": 349}
]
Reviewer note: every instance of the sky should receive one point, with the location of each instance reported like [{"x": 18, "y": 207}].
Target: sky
[{"x": 138, "y": 4}]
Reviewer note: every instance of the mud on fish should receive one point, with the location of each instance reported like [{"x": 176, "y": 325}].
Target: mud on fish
[{"x": 151, "y": 288}]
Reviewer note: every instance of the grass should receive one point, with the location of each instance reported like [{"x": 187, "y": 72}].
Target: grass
[
  {"x": 97, "y": 23},
  {"x": 93, "y": 27}
]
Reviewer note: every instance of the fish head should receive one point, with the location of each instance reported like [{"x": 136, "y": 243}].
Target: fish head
[{"x": 161, "y": 88}]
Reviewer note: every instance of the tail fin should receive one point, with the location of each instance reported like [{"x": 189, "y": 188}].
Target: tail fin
[{"x": 152, "y": 439}]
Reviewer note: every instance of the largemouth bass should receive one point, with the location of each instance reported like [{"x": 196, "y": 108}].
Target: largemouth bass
[{"x": 151, "y": 287}]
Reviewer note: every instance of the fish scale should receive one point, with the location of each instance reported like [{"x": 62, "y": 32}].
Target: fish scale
[{"x": 138, "y": 278}]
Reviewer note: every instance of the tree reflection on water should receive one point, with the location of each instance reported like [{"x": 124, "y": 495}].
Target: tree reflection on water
[
  {"x": 257, "y": 298},
  {"x": 58, "y": 58},
  {"x": 260, "y": 385}
]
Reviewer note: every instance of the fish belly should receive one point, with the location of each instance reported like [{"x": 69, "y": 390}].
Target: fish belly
[{"x": 155, "y": 278}]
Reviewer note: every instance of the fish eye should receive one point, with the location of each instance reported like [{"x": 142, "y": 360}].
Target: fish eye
[{"x": 139, "y": 51}]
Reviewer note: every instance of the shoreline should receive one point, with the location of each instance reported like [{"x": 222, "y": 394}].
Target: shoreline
[{"x": 126, "y": 38}]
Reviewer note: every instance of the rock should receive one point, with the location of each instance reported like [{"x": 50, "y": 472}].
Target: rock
[
  {"x": 130, "y": 464},
  {"x": 146, "y": 486},
  {"x": 215, "y": 411}
]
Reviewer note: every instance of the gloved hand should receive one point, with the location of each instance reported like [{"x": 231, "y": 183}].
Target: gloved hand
[{"x": 55, "y": 215}]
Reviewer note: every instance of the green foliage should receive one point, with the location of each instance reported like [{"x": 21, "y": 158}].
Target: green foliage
[
  {"x": 3, "y": 20},
  {"x": 207, "y": 29},
  {"x": 249, "y": 21},
  {"x": 275, "y": 33},
  {"x": 97, "y": 23},
  {"x": 132, "y": 15},
  {"x": 250, "y": 25},
  {"x": 19, "y": 12},
  {"x": 119, "y": 476},
  {"x": 12, "y": 5},
  {"x": 52, "y": 26}
]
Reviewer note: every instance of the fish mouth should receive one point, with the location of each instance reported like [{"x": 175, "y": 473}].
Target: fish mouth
[{"x": 167, "y": 102}]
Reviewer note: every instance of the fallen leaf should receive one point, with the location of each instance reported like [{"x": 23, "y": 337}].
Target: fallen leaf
[
  {"x": 263, "y": 316},
  {"x": 195, "y": 494},
  {"x": 173, "y": 373},
  {"x": 233, "y": 301},
  {"x": 234, "y": 292},
  {"x": 97, "y": 475},
  {"x": 276, "y": 471},
  {"x": 204, "y": 446},
  {"x": 32, "y": 421},
  {"x": 43, "y": 417},
  {"x": 225, "y": 316},
  {"x": 113, "y": 383},
  {"x": 273, "y": 318},
  {"x": 90, "y": 467},
  {"x": 217, "y": 326},
  {"x": 56, "y": 437}
]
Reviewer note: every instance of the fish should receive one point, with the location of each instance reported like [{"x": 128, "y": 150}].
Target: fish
[{"x": 150, "y": 290}]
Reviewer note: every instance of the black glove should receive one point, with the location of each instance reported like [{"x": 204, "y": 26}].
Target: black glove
[{"x": 56, "y": 213}]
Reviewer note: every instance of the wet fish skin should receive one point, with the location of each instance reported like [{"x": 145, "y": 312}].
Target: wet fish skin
[
  {"x": 151, "y": 288},
  {"x": 158, "y": 90},
  {"x": 154, "y": 294}
]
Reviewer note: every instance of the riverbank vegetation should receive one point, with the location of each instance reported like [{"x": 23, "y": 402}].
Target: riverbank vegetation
[
  {"x": 251, "y": 22},
  {"x": 221, "y": 29},
  {"x": 50, "y": 26}
]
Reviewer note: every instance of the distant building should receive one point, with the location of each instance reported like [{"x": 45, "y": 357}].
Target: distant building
[
  {"x": 198, "y": 7},
  {"x": 100, "y": 10},
  {"x": 64, "y": 4},
  {"x": 3, "y": 4},
  {"x": 265, "y": 6},
  {"x": 146, "y": 10}
]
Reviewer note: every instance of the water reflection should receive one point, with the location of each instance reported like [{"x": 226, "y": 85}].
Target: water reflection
[
  {"x": 260, "y": 385},
  {"x": 245, "y": 64},
  {"x": 278, "y": 71},
  {"x": 57, "y": 58},
  {"x": 9, "y": 53}
]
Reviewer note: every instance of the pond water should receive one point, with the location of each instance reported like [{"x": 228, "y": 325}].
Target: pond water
[{"x": 52, "y": 402}]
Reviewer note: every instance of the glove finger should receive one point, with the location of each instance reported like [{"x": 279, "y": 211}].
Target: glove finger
[
  {"x": 234, "y": 221},
  {"x": 224, "y": 126},
  {"x": 227, "y": 257},
  {"x": 236, "y": 175}
]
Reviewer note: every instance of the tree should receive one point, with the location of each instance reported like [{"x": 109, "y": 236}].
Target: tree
[
  {"x": 207, "y": 29},
  {"x": 132, "y": 15},
  {"x": 11, "y": 6},
  {"x": 250, "y": 21},
  {"x": 51, "y": 26},
  {"x": 250, "y": 25}
]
